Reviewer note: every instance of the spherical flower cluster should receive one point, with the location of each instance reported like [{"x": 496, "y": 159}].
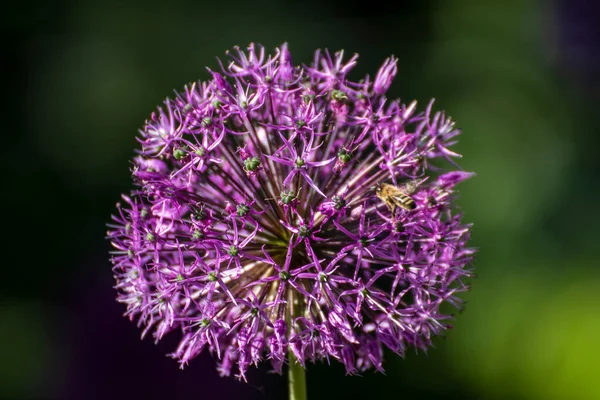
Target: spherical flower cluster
[{"x": 257, "y": 230}]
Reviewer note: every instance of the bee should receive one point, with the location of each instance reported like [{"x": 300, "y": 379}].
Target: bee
[{"x": 394, "y": 196}]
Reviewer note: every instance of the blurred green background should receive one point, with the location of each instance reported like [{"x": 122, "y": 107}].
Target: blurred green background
[{"x": 519, "y": 77}]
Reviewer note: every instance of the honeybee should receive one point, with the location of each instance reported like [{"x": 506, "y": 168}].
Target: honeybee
[{"x": 394, "y": 196}]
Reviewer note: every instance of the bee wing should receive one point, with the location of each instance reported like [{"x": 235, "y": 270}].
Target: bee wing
[{"x": 411, "y": 186}]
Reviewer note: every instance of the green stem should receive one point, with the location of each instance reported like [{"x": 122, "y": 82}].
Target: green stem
[{"x": 296, "y": 378}]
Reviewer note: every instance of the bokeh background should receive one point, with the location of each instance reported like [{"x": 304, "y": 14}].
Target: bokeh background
[{"x": 520, "y": 77}]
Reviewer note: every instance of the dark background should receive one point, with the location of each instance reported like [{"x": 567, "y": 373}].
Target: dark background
[{"x": 521, "y": 79}]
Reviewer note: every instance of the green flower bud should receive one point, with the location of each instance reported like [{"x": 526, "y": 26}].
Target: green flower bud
[
  {"x": 233, "y": 251},
  {"x": 251, "y": 163},
  {"x": 201, "y": 151},
  {"x": 304, "y": 231},
  {"x": 344, "y": 155},
  {"x": 339, "y": 203},
  {"x": 242, "y": 209},
  {"x": 287, "y": 196},
  {"x": 284, "y": 275},
  {"x": 338, "y": 95},
  {"x": 179, "y": 153}
]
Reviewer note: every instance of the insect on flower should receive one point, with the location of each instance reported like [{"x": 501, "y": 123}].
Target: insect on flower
[{"x": 394, "y": 196}]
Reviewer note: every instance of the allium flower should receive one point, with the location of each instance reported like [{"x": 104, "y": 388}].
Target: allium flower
[{"x": 254, "y": 229}]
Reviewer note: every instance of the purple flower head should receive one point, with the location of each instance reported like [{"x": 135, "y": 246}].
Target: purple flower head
[{"x": 255, "y": 231}]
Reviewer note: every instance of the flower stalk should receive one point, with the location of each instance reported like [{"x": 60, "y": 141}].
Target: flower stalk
[{"x": 296, "y": 378}]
